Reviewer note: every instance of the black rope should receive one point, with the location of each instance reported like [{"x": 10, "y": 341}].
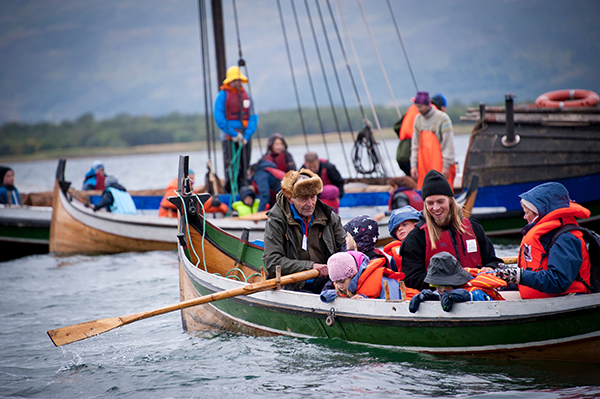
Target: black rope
[
  {"x": 287, "y": 47},
  {"x": 402, "y": 44},
  {"x": 208, "y": 116},
  {"x": 310, "y": 79},
  {"x": 365, "y": 144},
  {"x": 312, "y": 28}
]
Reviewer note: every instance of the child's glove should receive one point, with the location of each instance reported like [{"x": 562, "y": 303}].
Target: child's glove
[
  {"x": 457, "y": 295},
  {"x": 509, "y": 273},
  {"x": 425, "y": 295},
  {"x": 328, "y": 296}
]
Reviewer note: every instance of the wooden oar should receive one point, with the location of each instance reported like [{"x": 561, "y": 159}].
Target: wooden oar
[
  {"x": 254, "y": 216},
  {"x": 78, "y": 332},
  {"x": 471, "y": 196}
]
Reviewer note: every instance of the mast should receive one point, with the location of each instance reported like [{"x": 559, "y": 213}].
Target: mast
[{"x": 219, "y": 33}]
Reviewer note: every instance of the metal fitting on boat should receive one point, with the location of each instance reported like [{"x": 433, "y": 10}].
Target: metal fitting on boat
[
  {"x": 331, "y": 318},
  {"x": 510, "y": 139}
]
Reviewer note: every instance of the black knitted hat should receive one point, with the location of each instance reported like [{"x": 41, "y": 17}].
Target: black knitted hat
[{"x": 435, "y": 184}]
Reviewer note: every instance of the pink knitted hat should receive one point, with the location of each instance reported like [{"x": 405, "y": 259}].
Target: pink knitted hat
[{"x": 341, "y": 266}]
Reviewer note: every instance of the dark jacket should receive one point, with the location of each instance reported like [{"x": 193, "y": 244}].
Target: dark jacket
[
  {"x": 265, "y": 182},
  {"x": 283, "y": 237},
  {"x": 413, "y": 254}
]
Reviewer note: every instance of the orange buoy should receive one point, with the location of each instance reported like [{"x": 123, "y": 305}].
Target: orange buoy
[{"x": 568, "y": 98}]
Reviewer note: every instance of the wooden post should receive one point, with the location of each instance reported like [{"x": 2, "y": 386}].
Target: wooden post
[
  {"x": 386, "y": 289},
  {"x": 402, "y": 291},
  {"x": 278, "y": 276},
  {"x": 262, "y": 273}
]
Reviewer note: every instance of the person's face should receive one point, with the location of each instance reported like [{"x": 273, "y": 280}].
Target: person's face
[
  {"x": 313, "y": 166},
  {"x": 350, "y": 242},
  {"x": 248, "y": 200},
  {"x": 304, "y": 205},
  {"x": 236, "y": 84},
  {"x": 404, "y": 228},
  {"x": 278, "y": 147},
  {"x": 438, "y": 207},
  {"x": 9, "y": 178},
  {"x": 342, "y": 285},
  {"x": 423, "y": 109},
  {"x": 529, "y": 214}
]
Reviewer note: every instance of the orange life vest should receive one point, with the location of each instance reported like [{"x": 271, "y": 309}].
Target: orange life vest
[
  {"x": 408, "y": 123},
  {"x": 393, "y": 250},
  {"x": 533, "y": 256},
  {"x": 486, "y": 282},
  {"x": 430, "y": 157}
]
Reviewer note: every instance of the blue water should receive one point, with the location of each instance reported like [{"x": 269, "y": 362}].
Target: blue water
[{"x": 155, "y": 358}]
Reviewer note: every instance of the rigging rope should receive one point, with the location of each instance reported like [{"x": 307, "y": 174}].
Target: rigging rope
[
  {"x": 287, "y": 47},
  {"x": 312, "y": 28},
  {"x": 365, "y": 143},
  {"x": 310, "y": 79},
  {"x": 402, "y": 44}
]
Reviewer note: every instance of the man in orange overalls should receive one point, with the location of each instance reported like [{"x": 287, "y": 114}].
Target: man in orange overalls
[{"x": 432, "y": 144}]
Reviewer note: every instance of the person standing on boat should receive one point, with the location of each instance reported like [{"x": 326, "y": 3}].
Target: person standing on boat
[
  {"x": 302, "y": 232},
  {"x": 562, "y": 268},
  {"x": 232, "y": 116},
  {"x": 432, "y": 143},
  {"x": 325, "y": 170},
  {"x": 444, "y": 229},
  {"x": 94, "y": 178},
  {"x": 9, "y": 195},
  {"x": 116, "y": 199},
  {"x": 278, "y": 154}
]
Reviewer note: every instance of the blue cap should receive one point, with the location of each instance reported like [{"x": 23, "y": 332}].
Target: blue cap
[
  {"x": 440, "y": 100},
  {"x": 401, "y": 215}
]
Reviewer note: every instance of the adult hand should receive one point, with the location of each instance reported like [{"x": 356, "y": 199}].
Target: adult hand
[
  {"x": 509, "y": 273},
  {"x": 446, "y": 172},
  {"x": 239, "y": 139},
  {"x": 322, "y": 269},
  {"x": 414, "y": 173}
]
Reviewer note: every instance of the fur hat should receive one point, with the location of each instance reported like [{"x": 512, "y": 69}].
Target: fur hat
[
  {"x": 445, "y": 270},
  {"x": 341, "y": 266},
  {"x": 365, "y": 232},
  {"x": 301, "y": 184},
  {"x": 435, "y": 183}
]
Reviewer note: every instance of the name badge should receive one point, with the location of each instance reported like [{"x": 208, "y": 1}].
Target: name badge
[
  {"x": 304, "y": 244},
  {"x": 471, "y": 246}
]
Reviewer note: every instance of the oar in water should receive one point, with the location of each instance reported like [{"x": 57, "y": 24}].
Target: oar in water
[{"x": 78, "y": 332}]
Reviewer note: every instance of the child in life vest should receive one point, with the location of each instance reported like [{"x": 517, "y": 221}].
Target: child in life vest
[
  {"x": 362, "y": 233},
  {"x": 454, "y": 283},
  {"x": 248, "y": 203},
  {"x": 401, "y": 222},
  {"x": 353, "y": 276}
]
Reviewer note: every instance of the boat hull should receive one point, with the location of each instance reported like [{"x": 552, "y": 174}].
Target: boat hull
[{"x": 24, "y": 230}]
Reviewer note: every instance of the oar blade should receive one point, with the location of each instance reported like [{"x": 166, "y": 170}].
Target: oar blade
[{"x": 66, "y": 335}]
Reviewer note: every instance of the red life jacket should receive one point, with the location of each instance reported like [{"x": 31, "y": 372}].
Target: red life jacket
[
  {"x": 414, "y": 199},
  {"x": 486, "y": 282},
  {"x": 237, "y": 102},
  {"x": 393, "y": 250},
  {"x": 408, "y": 123},
  {"x": 469, "y": 253},
  {"x": 533, "y": 256},
  {"x": 278, "y": 160}
]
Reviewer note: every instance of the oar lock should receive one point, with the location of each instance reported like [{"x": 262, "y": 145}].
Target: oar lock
[{"x": 331, "y": 317}]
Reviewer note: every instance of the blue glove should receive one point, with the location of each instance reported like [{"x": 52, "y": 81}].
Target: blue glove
[
  {"x": 425, "y": 295},
  {"x": 457, "y": 295},
  {"x": 509, "y": 273},
  {"x": 328, "y": 296}
]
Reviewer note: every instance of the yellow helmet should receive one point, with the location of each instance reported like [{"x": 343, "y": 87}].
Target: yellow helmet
[{"x": 234, "y": 73}]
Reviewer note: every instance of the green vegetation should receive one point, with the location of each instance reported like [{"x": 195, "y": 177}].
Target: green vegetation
[{"x": 87, "y": 134}]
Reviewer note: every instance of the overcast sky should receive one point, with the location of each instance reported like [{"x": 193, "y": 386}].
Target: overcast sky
[{"x": 61, "y": 59}]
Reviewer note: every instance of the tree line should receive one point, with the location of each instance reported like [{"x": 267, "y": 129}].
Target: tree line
[{"x": 126, "y": 130}]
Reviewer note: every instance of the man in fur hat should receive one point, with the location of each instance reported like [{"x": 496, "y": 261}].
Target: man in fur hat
[{"x": 302, "y": 232}]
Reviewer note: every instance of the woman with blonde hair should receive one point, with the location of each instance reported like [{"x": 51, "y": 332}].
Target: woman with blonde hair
[{"x": 444, "y": 229}]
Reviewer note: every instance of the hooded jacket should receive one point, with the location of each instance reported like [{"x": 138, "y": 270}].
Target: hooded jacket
[
  {"x": 267, "y": 182},
  {"x": 283, "y": 238},
  {"x": 548, "y": 274}
]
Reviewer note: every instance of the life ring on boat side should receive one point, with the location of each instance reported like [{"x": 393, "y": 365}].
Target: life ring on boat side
[{"x": 568, "y": 98}]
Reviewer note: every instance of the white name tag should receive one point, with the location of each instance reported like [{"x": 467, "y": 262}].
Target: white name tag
[
  {"x": 471, "y": 246},
  {"x": 246, "y": 103},
  {"x": 304, "y": 245}
]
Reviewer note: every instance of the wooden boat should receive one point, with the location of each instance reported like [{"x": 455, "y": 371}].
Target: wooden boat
[
  {"x": 24, "y": 230},
  {"x": 516, "y": 147},
  {"x": 563, "y": 329}
]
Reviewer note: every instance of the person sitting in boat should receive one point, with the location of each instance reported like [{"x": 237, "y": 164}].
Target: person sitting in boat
[
  {"x": 362, "y": 233},
  {"x": 248, "y": 203},
  {"x": 266, "y": 181},
  {"x": 169, "y": 210},
  {"x": 355, "y": 276},
  {"x": 301, "y": 232},
  {"x": 325, "y": 170},
  {"x": 232, "y": 115},
  {"x": 402, "y": 193},
  {"x": 562, "y": 268},
  {"x": 444, "y": 229},
  {"x": 278, "y": 154},
  {"x": 453, "y": 283},
  {"x": 402, "y": 221},
  {"x": 94, "y": 178},
  {"x": 116, "y": 199},
  {"x": 9, "y": 195},
  {"x": 331, "y": 196},
  {"x": 432, "y": 143}
]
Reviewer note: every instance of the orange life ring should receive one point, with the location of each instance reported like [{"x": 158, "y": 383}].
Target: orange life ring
[{"x": 568, "y": 98}]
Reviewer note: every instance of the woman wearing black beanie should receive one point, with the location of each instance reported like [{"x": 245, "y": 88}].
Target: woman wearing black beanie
[{"x": 444, "y": 229}]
